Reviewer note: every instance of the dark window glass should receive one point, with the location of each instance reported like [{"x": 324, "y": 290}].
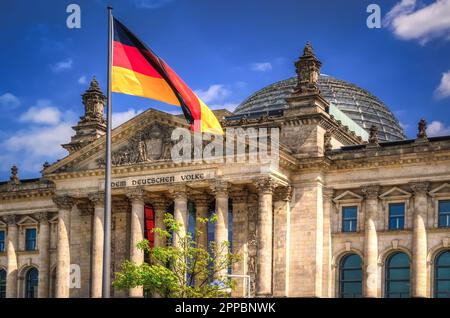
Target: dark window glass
[
  {"x": 442, "y": 275},
  {"x": 444, "y": 213},
  {"x": 31, "y": 283},
  {"x": 350, "y": 277},
  {"x": 398, "y": 276},
  {"x": 396, "y": 216},
  {"x": 2, "y": 283},
  {"x": 349, "y": 218},
  {"x": 2, "y": 241},
  {"x": 30, "y": 239}
]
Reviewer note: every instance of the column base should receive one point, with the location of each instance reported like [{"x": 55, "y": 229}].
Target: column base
[{"x": 263, "y": 295}]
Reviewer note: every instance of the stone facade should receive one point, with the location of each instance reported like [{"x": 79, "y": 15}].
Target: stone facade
[{"x": 287, "y": 222}]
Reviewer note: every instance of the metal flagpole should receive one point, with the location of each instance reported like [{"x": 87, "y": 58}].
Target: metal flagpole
[{"x": 107, "y": 217}]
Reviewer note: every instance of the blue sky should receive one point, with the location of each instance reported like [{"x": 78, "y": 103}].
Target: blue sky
[{"x": 224, "y": 50}]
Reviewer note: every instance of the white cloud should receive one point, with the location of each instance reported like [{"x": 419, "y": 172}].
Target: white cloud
[
  {"x": 409, "y": 21},
  {"x": 261, "y": 67},
  {"x": 42, "y": 113},
  {"x": 228, "y": 106},
  {"x": 437, "y": 128},
  {"x": 214, "y": 93},
  {"x": 8, "y": 101},
  {"x": 151, "y": 4},
  {"x": 82, "y": 80},
  {"x": 62, "y": 66},
  {"x": 443, "y": 89},
  {"x": 120, "y": 117}
]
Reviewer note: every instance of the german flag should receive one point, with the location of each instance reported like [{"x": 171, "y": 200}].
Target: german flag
[{"x": 138, "y": 71}]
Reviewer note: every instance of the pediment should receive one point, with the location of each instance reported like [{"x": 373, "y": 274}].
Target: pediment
[
  {"x": 27, "y": 220},
  {"x": 443, "y": 189},
  {"x": 2, "y": 224},
  {"x": 348, "y": 196},
  {"x": 143, "y": 139},
  {"x": 395, "y": 192}
]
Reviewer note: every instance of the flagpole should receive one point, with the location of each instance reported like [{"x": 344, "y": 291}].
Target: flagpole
[{"x": 106, "y": 281}]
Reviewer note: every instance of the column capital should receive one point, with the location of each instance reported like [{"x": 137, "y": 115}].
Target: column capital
[
  {"x": 371, "y": 191},
  {"x": 42, "y": 217},
  {"x": 136, "y": 194},
  {"x": 97, "y": 197},
  {"x": 86, "y": 207},
  {"x": 265, "y": 185},
  {"x": 328, "y": 193},
  {"x": 283, "y": 193},
  {"x": 158, "y": 201},
  {"x": 239, "y": 194},
  {"x": 220, "y": 188},
  {"x": 64, "y": 202},
  {"x": 179, "y": 191},
  {"x": 201, "y": 199},
  {"x": 419, "y": 187},
  {"x": 10, "y": 220}
]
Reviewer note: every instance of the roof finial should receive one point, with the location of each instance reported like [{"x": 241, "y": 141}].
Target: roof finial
[
  {"x": 308, "y": 71},
  {"x": 373, "y": 135},
  {"x": 14, "y": 178},
  {"x": 422, "y": 127}
]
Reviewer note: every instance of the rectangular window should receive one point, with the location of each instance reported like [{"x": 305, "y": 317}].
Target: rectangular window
[
  {"x": 30, "y": 239},
  {"x": 396, "y": 216},
  {"x": 2, "y": 241},
  {"x": 349, "y": 218},
  {"x": 444, "y": 213}
]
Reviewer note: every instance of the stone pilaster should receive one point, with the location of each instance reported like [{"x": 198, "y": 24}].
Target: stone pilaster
[
  {"x": 136, "y": 197},
  {"x": 201, "y": 211},
  {"x": 97, "y": 200},
  {"x": 281, "y": 245},
  {"x": 265, "y": 188},
  {"x": 220, "y": 190},
  {"x": 64, "y": 204},
  {"x": 160, "y": 204},
  {"x": 327, "y": 284},
  {"x": 180, "y": 211},
  {"x": 419, "y": 244},
  {"x": 44, "y": 257},
  {"x": 11, "y": 252},
  {"x": 371, "y": 242},
  {"x": 239, "y": 197}
]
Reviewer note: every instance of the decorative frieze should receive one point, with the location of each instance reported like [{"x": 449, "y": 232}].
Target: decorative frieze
[
  {"x": 419, "y": 187},
  {"x": 371, "y": 191}
]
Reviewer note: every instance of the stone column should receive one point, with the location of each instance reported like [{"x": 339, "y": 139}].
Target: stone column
[
  {"x": 160, "y": 204},
  {"x": 64, "y": 204},
  {"x": 239, "y": 197},
  {"x": 97, "y": 200},
  {"x": 265, "y": 188},
  {"x": 419, "y": 244},
  {"x": 371, "y": 242},
  {"x": 44, "y": 256},
  {"x": 11, "y": 250},
  {"x": 180, "y": 212},
  {"x": 136, "y": 197},
  {"x": 281, "y": 246},
  {"x": 201, "y": 211},
  {"x": 220, "y": 190}
]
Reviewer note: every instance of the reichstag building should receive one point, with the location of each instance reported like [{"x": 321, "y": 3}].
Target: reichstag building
[{"x": 353, "y": 209}]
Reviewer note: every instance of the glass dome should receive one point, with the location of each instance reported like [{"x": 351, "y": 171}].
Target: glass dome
[{"x": 359, "y": 104}]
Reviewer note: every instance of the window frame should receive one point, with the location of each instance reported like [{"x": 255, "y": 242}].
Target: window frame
[
  {"x": 343, "y": 220},
  {"x": 435, "y": 272},
  {"x": 447, "y": 213},
  {"x": 389, "y": 204},
  {"x": 347, "y": 198},
  {"x": 3, "y": 283},
  {"x": 31, "y": 288},
  {"x": 340, "y": 282},
  {"x": 386, "y": 273},
  {"x": 3, "y": 241},
  {"x": 26, "y": 231}
]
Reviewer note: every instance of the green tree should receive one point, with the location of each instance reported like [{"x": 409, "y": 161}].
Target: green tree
[{"x": 184, "y": 270}]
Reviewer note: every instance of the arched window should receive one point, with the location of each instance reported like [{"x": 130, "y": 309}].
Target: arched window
[
  {"x": 350, "y": 277},
  {"x": 31, "y": 283},
  {"x": 2, "y": 283},
  {"x": 398, "y": 276},
  {"x": 442, "y": 275}
]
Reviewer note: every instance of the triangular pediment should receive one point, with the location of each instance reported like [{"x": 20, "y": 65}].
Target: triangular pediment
[
  {"x": 2, "y": 224},
  {"x": 443, "y": 189},
  {"x": 143, "y": 139},
  {"x": 28, "y": 220},
  {"x": 395, "y": 192},
  {"x": 348, "y": 196}
]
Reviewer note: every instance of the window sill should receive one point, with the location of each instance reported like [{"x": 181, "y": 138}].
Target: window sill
[{"x": 28, "y": 252}]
